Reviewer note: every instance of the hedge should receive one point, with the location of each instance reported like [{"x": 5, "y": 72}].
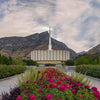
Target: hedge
[
  {"x": 90, "y": 70},
  {"x": 10, "y": 70}
]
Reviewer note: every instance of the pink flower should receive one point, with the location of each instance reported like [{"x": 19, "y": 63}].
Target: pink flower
[
  {"x": 43, "y": 86},
  {"x": 56, "y": 77},
  {"x": 58, "y": 82},
  {"x": 49, "y": 96},
  {"x": 19, "y": 98},
  {"x": 78, "y": 84},
  {"x": 73, "y": 91},
  {"x": 55, "y": 85},
  {"x": 68, "y": 86},
  {"x": 32, "y": 97},
  {"x": 94, "y": 88},
  {"x": 80, "y": 96},
  {"x": 96, "y": 94},
  {"x": 59, "y": 99},
  {"x": 74, "y": 83},
  {"x": 25, "y": 91},
  {"x": 87, "y": 86},
  {"x": 52, "y": 80},
  {"x": 39, "y": 90},
  {"x": 35, "y": 81},
  {"x": 41, "y": 83},
  {"x": 50, "y": 85},
  {"x": 62, "y": 88}
]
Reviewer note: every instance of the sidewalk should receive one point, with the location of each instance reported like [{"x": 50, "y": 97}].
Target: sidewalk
[{"x": 7, "y": 83}]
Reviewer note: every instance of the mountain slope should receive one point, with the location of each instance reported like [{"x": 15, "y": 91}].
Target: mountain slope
[
  {"x": 22, "y": 46},
  {"x": 95, "y": 49}
]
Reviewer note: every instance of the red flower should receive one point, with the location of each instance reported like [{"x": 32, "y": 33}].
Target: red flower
[
  {"x": 32, "y": 97},
  {"x": 49, "y": 96},
  {"x": 96, "y": 94},
  {"x": 87, "y": 86},
  {"x": 19, "y": 98},
  {"x": 94, "y": 88},
  {"x": 39, "y": 72}
]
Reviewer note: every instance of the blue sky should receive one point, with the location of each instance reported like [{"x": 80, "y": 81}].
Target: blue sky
[{"x": 74, "y": 22}]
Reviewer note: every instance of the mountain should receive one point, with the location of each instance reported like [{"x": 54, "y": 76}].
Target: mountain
[
  {"x": 22, "y": 46},
  {"x": 95, "y": 50},
  {"x": 81, "y": 53}
]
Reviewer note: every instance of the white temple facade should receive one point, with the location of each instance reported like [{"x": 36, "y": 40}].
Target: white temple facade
[{"x": 50, "y": 56}]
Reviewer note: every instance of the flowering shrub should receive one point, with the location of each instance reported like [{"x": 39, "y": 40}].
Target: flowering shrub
[{"x": 51, "y": 84}]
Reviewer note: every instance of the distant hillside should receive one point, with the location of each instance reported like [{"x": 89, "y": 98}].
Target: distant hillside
[
  {"x": 95, "y": 49},
  {"x": 22, "y": 46}
]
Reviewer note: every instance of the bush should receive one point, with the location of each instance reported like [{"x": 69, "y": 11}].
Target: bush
[
  {"x": 30, "y": 62},
  {"x": 9, "y": 70},
  {"x": 91, "y": 70},
  {"x": 69, "y": 62},
  {"x": 52, "y": 84}
]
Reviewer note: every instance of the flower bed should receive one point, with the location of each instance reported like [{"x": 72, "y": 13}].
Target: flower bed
[
  {"x": 91, "y": 70},
  {"x": 51, "y": 84}
]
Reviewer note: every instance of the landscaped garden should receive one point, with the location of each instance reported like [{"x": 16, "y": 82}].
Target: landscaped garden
[{"x": 52, "y": 84}]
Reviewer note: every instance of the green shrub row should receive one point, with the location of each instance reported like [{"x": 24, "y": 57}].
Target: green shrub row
[
  {"x": 91, "y": 70},
  {"x": 10, "y": 70}
]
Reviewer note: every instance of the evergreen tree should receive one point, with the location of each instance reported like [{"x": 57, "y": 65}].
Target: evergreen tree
[
  {"x": 5, "y": 60},
  {"x": 95, "y": 62},
  {"x": 10, "y": 60},
  {"x": 90, "y": 59}
]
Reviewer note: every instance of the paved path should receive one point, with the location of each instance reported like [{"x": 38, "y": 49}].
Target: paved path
[{"x": 8, "y": 83}]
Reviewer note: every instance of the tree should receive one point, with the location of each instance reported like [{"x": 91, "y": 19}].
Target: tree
[
  {"x": 18, "y": 61},
  {"x": 5, "y": 60},
  {"x": 1, "y": 60},
  {"x": 90, "y": 59},
  {"x": 95, "y": 62},
  {"x": 29, "y": 62},
  {"x": 10, "y": 60},
  {"x": 69, "y": 62},
  {"x": 99, "y": 60}
]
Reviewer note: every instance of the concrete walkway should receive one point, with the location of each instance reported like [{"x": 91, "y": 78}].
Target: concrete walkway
[{"x": 8, "y": 83}]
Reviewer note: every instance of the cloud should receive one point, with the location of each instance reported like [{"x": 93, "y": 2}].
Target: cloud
[{"x": 74, "y": 22}]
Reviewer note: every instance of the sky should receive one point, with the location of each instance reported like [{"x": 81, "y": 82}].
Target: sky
[{"x": 74, "y": 22}]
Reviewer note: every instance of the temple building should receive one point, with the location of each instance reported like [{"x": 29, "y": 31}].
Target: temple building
[{"x": 50, "y": 56}]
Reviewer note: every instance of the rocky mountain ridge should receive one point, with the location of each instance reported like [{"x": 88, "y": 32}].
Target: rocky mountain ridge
[
  {"x": 95, "y": 49},
  {"x": 22, "y": 46}
]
